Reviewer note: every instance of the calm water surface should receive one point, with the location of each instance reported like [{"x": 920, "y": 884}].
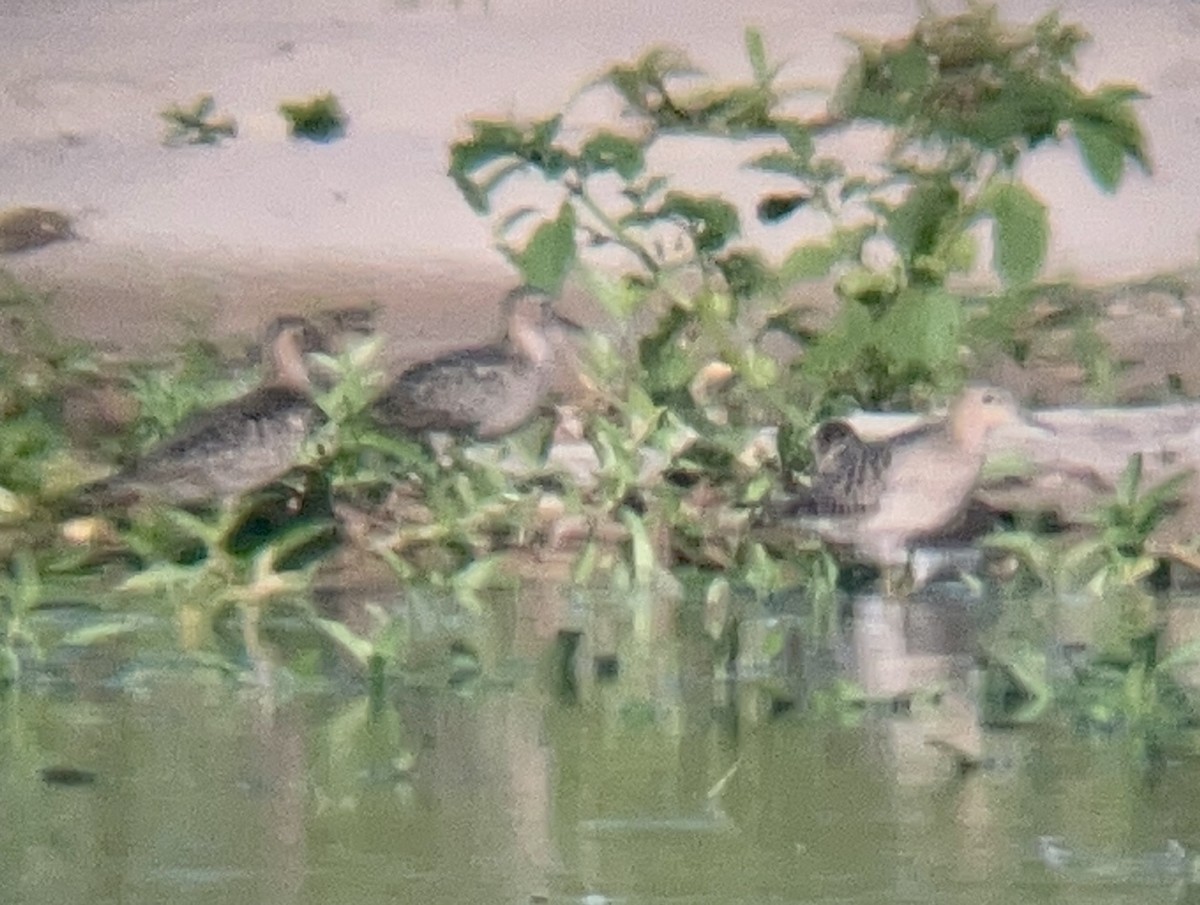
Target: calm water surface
[{"x": 211, "y": 790}]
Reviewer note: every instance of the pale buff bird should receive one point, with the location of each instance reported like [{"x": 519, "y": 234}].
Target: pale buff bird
[{"x": 877, "y": 496}]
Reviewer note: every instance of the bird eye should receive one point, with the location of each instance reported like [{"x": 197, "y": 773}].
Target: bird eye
[{"x": 989, "y": 398}]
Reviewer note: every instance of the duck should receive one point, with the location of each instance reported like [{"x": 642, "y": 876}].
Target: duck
[
  {"x": 488, "y": 391},
  {"x": 24, "y": 229},
  {"x": 221, "y": 453},
  {"x": 878, "y": 496}
]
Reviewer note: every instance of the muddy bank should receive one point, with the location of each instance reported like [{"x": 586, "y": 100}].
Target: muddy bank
[{"x": 138, "y": 301}]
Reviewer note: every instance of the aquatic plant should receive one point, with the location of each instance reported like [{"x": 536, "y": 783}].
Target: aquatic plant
[
  {"x": 961, "y": 101},
  {"x": 318, "y": 118},
  {"x": 675, "y": 431},
  {"x": 1120, "y": 553},
  {"x": 196, "y": 124}
]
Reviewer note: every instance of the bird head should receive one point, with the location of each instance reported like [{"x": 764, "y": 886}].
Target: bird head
[
  {"x": 534, "y": 327},
  {"x": 979, "y": 409},
  {"x": 297, "y": 331},
  {"x": 288, "y": 339}
]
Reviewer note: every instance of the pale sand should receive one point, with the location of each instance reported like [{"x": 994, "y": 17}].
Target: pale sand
[{"x": 233, "y": 233}]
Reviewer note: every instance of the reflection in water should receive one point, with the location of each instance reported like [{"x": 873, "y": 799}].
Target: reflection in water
[{"x": 206, "y": 791}]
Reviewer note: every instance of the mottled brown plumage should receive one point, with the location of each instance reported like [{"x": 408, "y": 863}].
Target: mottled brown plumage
[
  {"x": 28, "y": 228},
  {"x": 876, "y": 496},
  {"x": 487, "y": 391},
  {"x": 220, "y": 453}
]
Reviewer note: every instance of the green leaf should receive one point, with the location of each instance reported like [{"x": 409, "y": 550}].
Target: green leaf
[
  {"x": 1025, "y": 666},
  {"x": 641, "y": 547},
  {"x": 711, "y": 221},
  {"x": 194, "y": 526},
  {"x": 761, "y": 571},
  {"x": 849, "y": 242},
  {"x": 960, "y": 254},
  {"x": 1030, "y": 548},
  {"x": 489, "y": 141},
  {"x": 10, "y": 666},
  {"x": 531, "y": 145},
  {"x": 757, "y": 490},
  {"x": 841, "y": 344},
  {"x": 641, "y": 413},
  {"x": 619, "y": 297},
  {"x": 910, "y": 70},
  {"x": 116, "y": 627},
  {"x": 756, "y": 51},
  {"x": 673, "y": 436},
  {"x": 296, "y": 543},
  {"x": 759, "y": 370},
  {"x": 479, "y": 575},
  {"x": 786, "y": 162},
  {"x": 164, "y": 577},
  {"x": 808, "y": 262},
  {"x": 798, "y": 135},
  {"x": 668, "y": 371},
  {"x": 1079, "y": 558},
  {"x": 319, "y": 118},
  {"x": 547, "y": 258},
  {"x": 1022, "y": 232},
  {"x": 358, "y": 648},
  {"x": 919, "y": 222},
  {"x": 1102, "y": 153},
  {"x": 716, "y": 607},
  {"x": 610, "y": 151},
  {"x": 922, "y": 328},
  {"x": 746, "y": 273},
  {"x": 1110, "y": 106},
  {"x": 1130, "y": 480}
]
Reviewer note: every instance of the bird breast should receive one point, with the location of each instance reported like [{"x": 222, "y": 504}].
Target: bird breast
[{"x": 922, "y": 493}]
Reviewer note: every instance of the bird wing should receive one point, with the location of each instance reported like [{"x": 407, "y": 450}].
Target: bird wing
[
  {"x": 236, "y": 423},
  {"x": 454, "y": 392},
  {"x": 223, "y": 450},
  {"x": 850, "y": 474}
]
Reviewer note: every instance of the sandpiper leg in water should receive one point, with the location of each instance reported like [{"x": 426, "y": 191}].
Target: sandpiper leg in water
[{"x": 877, "y": 496}]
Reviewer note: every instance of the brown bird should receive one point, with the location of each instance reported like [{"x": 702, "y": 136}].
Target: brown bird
[
  {"x": 220, "y": 453},
  {"x": 488, "y": 391},
  {"x": 27, "y": 228},
  {"x": 877, "y": 496}
]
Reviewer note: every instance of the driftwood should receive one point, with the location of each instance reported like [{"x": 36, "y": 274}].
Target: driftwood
[{"x": 1071, "y": 471}]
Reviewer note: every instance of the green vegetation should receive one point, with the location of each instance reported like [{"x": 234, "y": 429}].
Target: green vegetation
[
  {"x": 676, "y": 432},
  {"x": 960, "y": 102},
  {"x": 1128, "y": 681},
  {"x": 196, "y": 125},
  {"x": 318, "y": 118}
]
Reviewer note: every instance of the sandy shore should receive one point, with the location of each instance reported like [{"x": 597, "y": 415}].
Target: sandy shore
[{"x": 225, "y": 235}]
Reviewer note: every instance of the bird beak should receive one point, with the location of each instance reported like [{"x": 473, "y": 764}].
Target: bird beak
[
  {"x": 572, "y": 327},
  {"x": 1038, "y": 424}
]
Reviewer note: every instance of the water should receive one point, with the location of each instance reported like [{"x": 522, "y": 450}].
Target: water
[{"x": 202, "y": 788}]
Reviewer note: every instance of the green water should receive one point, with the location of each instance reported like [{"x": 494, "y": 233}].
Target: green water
[{"x": 208, "y": 789}]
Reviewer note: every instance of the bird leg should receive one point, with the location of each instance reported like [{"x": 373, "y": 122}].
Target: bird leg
[{"x": 897, "y": 581}]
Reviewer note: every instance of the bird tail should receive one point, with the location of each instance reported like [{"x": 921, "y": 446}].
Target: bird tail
[
  {"x": 802, "y": 504},
  {"x": 99, "y": 496}
]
